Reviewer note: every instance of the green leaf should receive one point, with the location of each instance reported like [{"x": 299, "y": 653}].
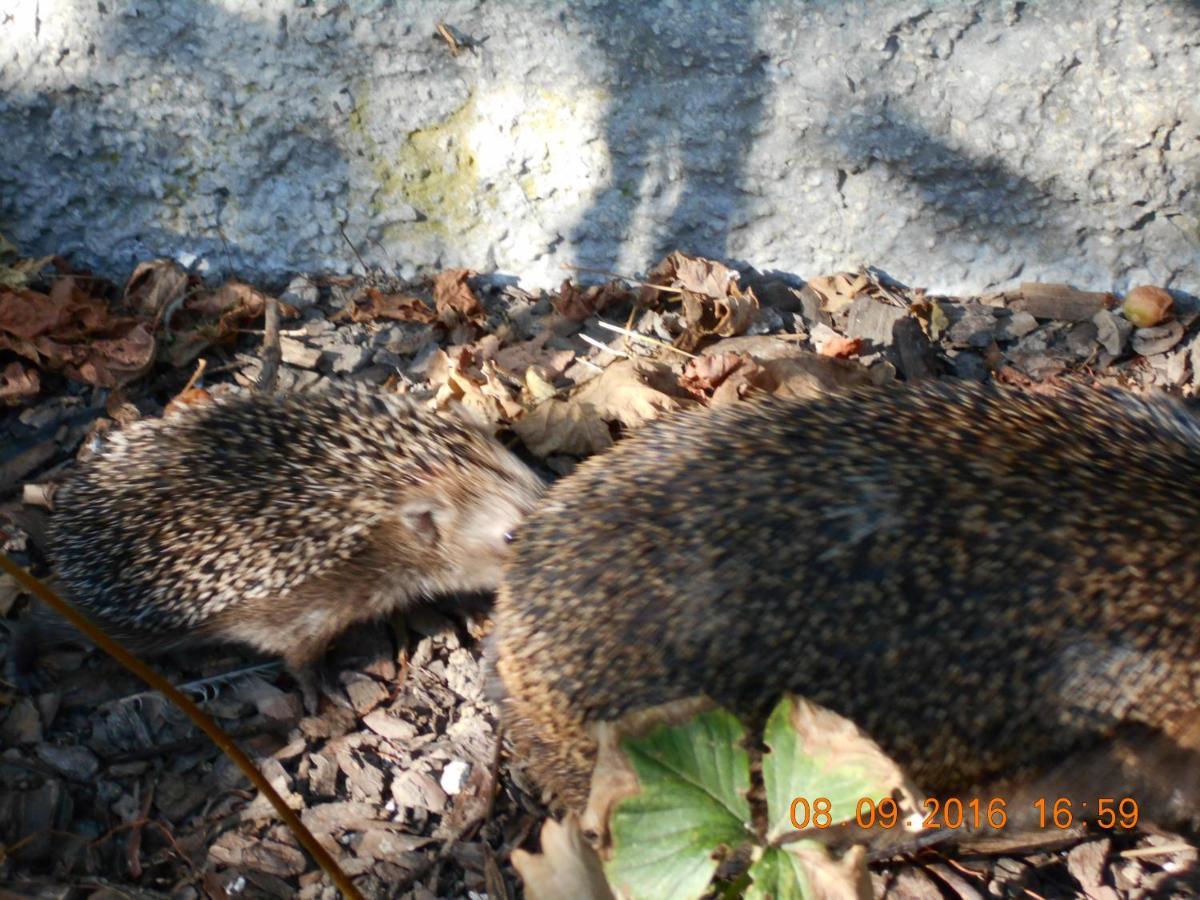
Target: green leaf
[
  {"x": 694, "y": 779},
  {"x": 779, "y": 875},
  {"x": 804, "y": 871},
  {"x": 817, "y": 755}
]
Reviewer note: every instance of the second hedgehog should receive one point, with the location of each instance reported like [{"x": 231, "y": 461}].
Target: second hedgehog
[{"x": 279, "y": 521}]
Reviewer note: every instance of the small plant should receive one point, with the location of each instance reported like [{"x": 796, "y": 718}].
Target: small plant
[{"x": 677, "y": 804}]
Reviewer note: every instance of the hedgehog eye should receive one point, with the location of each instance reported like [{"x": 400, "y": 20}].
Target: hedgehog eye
[{"x": 509, "y": 537}]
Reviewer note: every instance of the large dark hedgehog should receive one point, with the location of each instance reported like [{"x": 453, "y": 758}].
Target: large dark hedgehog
[
  {"x": 279, "y": 521},
  {"x": 991, "y": 584}
]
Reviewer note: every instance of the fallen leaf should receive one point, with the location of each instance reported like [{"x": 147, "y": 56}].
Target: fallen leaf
[
  {"x": 155, "y": 288},
  {"x": 71, "y": 331},
  {"x": 577, "y": 305},
  {"x": 211, "y": 318},
  {"x": 704, "y": 374},
  {"x": 374, "y": 304},
  {"x": 565, "y": 867},
  {"x": 455, "y": 301},
  {"x": 838, "y": 291},
  {"x": 840, "y": 347},
  {"x": 689, "y": 273},
  {"x": 18, "y": 384},
  {"x": 721, "y": 316},
  {"x": 516, "y": 358},
  {"x": 629, "y": 393}
]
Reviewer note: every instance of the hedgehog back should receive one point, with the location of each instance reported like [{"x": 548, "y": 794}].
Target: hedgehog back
[
  {"x": 179, "y": 519},
  {"x": 979, "y": 578}
]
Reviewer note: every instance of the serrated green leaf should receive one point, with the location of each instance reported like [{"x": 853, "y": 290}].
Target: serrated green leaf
[
  {"x": 694, "y": 779},
  {"x": 814, "y": 754},
  {"x": 778, "y": 875},
  {"x": 804, "y": 870}
]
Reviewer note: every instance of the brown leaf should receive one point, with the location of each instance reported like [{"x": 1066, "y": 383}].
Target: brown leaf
[
  {"x": 68, "y": 330},
  {"x": 211, "y": 318},
  {"x": 26, "y": 314},
  {"x": 155, "y": 287},
  {"x": 723, "y": 316},
  {"x": 374, "y": 304},
  {"x": 567, "y": 866},
  {"x": 704, "y": 374},
  {"x": 690, "y": 273},
  {"x": 18, "y": 384},
  {"x": 480, "y": 390},
  {"x": 557, "y": 426},
  {"x": 630, "y": 393},
  {"x": 838, "y": 291},
  {"x": 454, "y": 299},
  {"x": 841, "y": 347},
  {"x": 777, "y": 367},
  {"x": 577, "y": 305},
  {"x": 519, "y": 357}
]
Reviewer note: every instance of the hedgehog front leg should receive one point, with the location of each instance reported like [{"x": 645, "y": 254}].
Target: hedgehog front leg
[{"x": 307, "y": 666}]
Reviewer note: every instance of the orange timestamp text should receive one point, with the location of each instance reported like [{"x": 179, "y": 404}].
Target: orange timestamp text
[{"x": 977, "y": 813}]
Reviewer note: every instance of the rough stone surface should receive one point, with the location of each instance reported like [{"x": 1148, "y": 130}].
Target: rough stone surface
[{"x": 963, "y": 145}]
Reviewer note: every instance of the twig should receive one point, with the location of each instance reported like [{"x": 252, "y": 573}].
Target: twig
[
  {"x": 642, "y": 337},
  {"x": 191, "y": 382},
  {"x": 601, "y": 346},
  {"x": 198, "y": 716},
  {"x": 353, "y": 249},
  {"x": 449, "y": 38},
  {"x": 271, "y": 354},
  {"x": 666, "y": 289},
  {"x": 1143, "y": 852}
]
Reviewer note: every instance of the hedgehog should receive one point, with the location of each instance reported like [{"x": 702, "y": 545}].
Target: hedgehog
[
  {"x": 998, "y": 588},
  {"x": 277, "y": 521}
]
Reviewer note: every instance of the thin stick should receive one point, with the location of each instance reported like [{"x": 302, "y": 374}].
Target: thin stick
[
  {"x": 197, "y": 715},
  {"x": 191, "y": 382},
  {"x": 601, "y": 346},
  {"x": 641, "y": 337},
  {"x": 1143, "y": 852},
  {"x": 654, "y": 287},
  {"x": 271, "y": 354}
]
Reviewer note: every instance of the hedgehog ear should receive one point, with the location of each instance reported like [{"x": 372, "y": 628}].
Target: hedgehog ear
[{"x": 426, "y": 518}]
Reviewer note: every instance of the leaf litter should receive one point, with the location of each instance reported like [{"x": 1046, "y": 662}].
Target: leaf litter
[{"x": 138, "y": 800}]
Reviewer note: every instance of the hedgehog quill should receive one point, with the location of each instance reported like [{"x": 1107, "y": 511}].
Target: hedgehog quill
[
  {"x": 279, "y": 521},
  {"x": 996, "y": 587}
]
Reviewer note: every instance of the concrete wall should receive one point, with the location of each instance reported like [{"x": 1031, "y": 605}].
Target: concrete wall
[{"x": 960, "y": 145}]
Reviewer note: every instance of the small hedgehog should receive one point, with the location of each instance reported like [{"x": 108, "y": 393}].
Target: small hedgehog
[
  {"x": 986, "y": 582},
  {"x": 279, "y": 521}
]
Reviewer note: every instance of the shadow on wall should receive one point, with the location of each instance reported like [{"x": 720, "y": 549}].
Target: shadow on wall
[
  {"x": 181, "y": 172},
  {"x": 674, "y": 180},
  {"x": 959, "y": 195}
]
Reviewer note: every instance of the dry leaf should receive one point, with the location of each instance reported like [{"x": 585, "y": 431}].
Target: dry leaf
[
  {"x": 838, "y": 291},
  {"x": 191, "y": 397},
  {"x": 780, "y": 368},
  {"x": 578, "y": 305},
  {"x": 374, "y": 304},
  {"x": 211, "y": 318},
  {"x": 566, "y": 867},
  {"x": 71, "y": 331},
  {"x": 704, "y": 374},
  {"x": 689, "y": 273},
  {"x": 155, "y": 288},
  {"x": 722, "y": 316},
  {"x": 840, "y": 347},
  {"x": 455, "y": 301},
  {"x": 18, "y": 384},
  {"x": 630, "y": 393},
  {"x": 519, "y": 357},
  {"x": 480, "y": 390}
]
